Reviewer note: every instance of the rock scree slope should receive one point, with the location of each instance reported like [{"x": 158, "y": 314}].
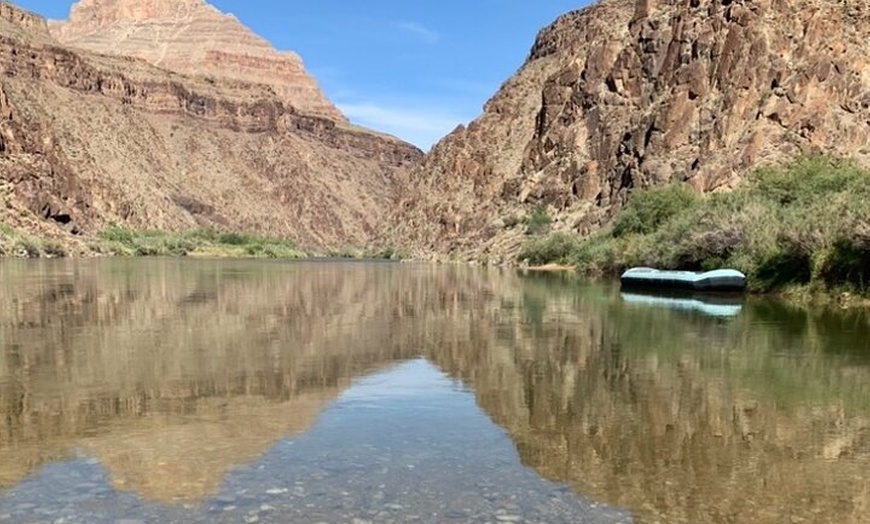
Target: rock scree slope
[
  {"x": 633, "y": 93},
  {"x": 89, "y": 139}
]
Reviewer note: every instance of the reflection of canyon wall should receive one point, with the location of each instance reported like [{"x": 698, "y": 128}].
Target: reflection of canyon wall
[
  {"x": 172, "y": 372},
  {"x": 677, "y": 417}
]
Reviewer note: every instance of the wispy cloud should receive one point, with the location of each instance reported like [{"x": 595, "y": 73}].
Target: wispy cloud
[
  {"x": 421, "y": 126},
  {"x": 420, "y": 31}
]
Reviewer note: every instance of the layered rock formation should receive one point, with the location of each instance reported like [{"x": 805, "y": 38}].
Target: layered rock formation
[
  {"x": 193, "y": 38},
  {"x": 627, "y": 94},
  {"x": 88, "y": 139}
]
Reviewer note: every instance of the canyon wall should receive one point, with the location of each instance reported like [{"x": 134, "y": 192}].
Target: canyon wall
[
  {"x": 90, "y": 139},
  {"x": 627, "y": 94}
]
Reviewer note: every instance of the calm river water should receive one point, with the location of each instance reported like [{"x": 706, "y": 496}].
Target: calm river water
[{"x": 156, "y": 391}]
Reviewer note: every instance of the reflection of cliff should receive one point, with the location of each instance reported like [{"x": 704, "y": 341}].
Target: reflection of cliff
[
  {"x": 679, "y": 418},
  {"x": 172, "y": 372},
  {"x": 184, "y": 457},
  {"x": 178, "y": 370}
]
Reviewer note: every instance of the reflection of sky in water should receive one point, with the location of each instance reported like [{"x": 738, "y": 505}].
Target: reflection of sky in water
[
  {"x": 410, "y": 380},
  {"x": 405, "y": 445}
]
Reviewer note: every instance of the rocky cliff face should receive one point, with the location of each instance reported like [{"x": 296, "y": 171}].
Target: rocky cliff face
[
  {"x": 193, "y": 38},
  {"x": 627, "y": 94},
  {"x": 23, "y": 19},
  {"x": 88, "y": 139}
]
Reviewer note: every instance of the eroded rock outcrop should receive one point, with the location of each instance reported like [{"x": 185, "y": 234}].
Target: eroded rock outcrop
[
  {"x": 193, "y": 38},
  {"x": 89, "y": 139},
  {"x": 628, "y": 94},
  {"x": 23, "y": 19}
]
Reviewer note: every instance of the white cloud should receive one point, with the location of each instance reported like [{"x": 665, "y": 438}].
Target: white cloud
[
  {"x": 420, "y": 31},
  {"x": 421, "y": 126}
]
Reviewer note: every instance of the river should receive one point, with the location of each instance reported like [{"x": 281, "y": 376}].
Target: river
[{"x": 181, "y": 390}]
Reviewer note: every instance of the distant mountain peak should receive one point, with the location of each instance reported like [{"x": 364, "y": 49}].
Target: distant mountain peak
[
  {"x": 192, "y": 37},
  {"x": 107, "y": 12}
]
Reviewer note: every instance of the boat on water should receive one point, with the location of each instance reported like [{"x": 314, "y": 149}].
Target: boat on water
[{"x": 717, "y": 280}]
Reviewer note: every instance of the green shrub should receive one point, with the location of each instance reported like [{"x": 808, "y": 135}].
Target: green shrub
[
  {"x": 554, "y": 248},
  {"x": 538, "y": 222},
  {"x": 788, "y": 265},
  {"x": 648, "y": 209},
  {"x": 180, "y": 246},
  {"x": 125, "y": 241},
  {"x": 382, "y": 253},
  {"x": 807, "y": 179},
  {"x": 53, "y": 249},
  {"x": 597, "y": 256},
  {"x": 115, "y": 233},
  {"x": 234, "y": 239},
  {"x": 846, "y": 263},
  {"x": 148, "y": 250}
]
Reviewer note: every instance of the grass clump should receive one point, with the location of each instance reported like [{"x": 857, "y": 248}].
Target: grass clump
[
  {"x": 202, "y": 242},
  {"x": 13, "y": 243},
  {"x": 803, "y": 226}
]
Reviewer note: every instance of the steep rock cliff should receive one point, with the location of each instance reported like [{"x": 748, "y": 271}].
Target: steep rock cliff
[
  {"x": 193, "y": 38},
  {"x": 88, "y": 139},
  {"x": 627, "y": 94}
]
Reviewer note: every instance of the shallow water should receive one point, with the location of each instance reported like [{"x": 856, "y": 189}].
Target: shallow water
[{"x": 155, "y": 390}]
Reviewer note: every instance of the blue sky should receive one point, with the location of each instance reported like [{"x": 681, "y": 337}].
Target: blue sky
[{"x": 412, "y": 68}]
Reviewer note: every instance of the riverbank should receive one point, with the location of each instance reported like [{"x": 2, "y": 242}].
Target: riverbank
[
  {"x": 206, "y": 243},
  {"x": 802, "y": 231},
  {"x": 200, "y": 242},
  {"x": 118, "y": 241}
]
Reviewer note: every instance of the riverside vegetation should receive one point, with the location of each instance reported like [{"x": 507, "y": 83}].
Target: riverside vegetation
[
  {"x": 121, "y": 241},
  {"x": 205, "y": 242},
  {"x": 14, "y": 243},
  {"x": 801, "y": 228}
]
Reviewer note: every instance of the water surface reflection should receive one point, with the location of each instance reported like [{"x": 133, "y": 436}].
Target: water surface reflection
[{"x": 176, "y": 389}]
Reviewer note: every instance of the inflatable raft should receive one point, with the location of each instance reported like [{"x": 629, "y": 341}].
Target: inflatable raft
[{"x": 717, "y": 280}]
